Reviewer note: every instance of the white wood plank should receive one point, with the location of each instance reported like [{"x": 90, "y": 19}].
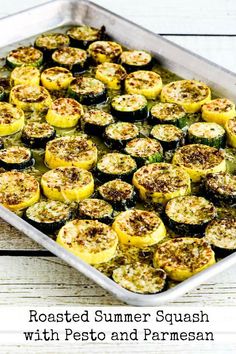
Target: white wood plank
[
  {"x": 169, "y": 16},
  {"x": 50, "y": 281}
]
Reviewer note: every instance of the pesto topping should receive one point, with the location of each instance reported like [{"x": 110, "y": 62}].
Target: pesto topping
[
  {"x": 140, "y": 278},
  {"x": 48, "y": 212},
  {"x": 116, "y": 163},
  {"x": 98, "y": 117},
  {"x": 143, "y": 147},
  {"x": 222, "y": 233},
  {"x": 167, "y": 111},
  {"x": 9, "y": 113},
  {"x": 15, "y": 154},
  {"x": 121, "y": 131},
  {"x": 95, "y": 208},
  {"x": 84, "y": 33},
  {"x": 206, "y": 130},
  {"x": 219, "y": 105},
  {"x": 25, "y": 55},
  {"x": 69, "y": 56},
  {"x": 87, "y": 85},
  {"x": 143, "y": 79},
  {"x": 135, "y": 57},
  {"x": 116, "y": 190},
  {"x": 17, "y": 187},
  {"x": 162, "y": 178},
  {"x": 186, "y": 91},
  {"x": 222, "y": 183},
  {"x": 38, "y": 130},
  {"x": 52, "y": 40},
  {"x": 199, "y": 156},
  {"x": 67, "y": 107},
  {"x": 128, "y": 103},
  {"x": 190, "y": 210},
  {"x": 166, "y": 132}
]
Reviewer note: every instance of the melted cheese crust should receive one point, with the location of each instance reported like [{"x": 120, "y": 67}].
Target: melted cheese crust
[
  {"x": 219, "y": 105},
  {"x": 9, "y": 114},
  {"x": 67, "y": 107},
  {"x": 222, "y": 233},
  {"x": 84, "y": 33},
  {"x": 190, "y": 210},
  {"x": 95, "y": 208},
  {"x": 206, "y": 130},
  {"x": 221, "y": 183},
  {"x": 25, "y": 55},
  {"x": 29, "y": 94},
  {"x": 23, "y": 75},
  {"x": 38, "y": 130},
  {"x": 69, "y": 56},
  {"x": 122, "y": 131},
  {"x": 140, "y": 278},
  {"x": 116, "y": 164},
  {"x": 116, "y": 190},
  {"x": 166, "y": 132},
  {"x": 49, "y": 211},
  {"x": 98, "y": 117},
  {"x": 167, "y": 111},
  {"x": 87, "y": 85},
  {"x": 52, "y": 40},
  {"x": 143, "y": 79},
  {"x": 111, "y": 71},
  {"x": 15, "y": 154},
  {"x": 129, "y": 103},
  {"x": 104, "y": 51},
  {"x": 135, "y": 57},
  {"x": 143, "y": 147}
]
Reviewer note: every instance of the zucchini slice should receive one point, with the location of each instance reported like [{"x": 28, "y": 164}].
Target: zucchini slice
[
  {"x": 144, "y": 82},
  {"x": 159, "y": 182},
  {"x": 67, "y": 184},
  {"x": 64, "y": 113},
  {"x": 140, "y": 278},
  {"x": 129, "y": 107},
  {"x": 220, "y": 188},
  {"x": 168, "y": 135},
  {"x": 111, "y": 74},
  {"x": 11, "y": 119},
  {"x": 87, "y": 90},
  {"x": 24, "y": 56},
  {"x": 95, "y": 121},
  {"x": 56, "y": 78},
  {"x": 30, "y": 97},
  {"x": 189, "y": 215},
  {"x": 118, "y": 134},
  {"x": 36, "y": 134},
  {"x": 49, "y": 42},
  {"x": 120, "y": 194},
  {"x": 83, "y": 36},
  {"x": 221, "y": 235},
  {"x": 96, "y": 209},
  {"x": 18, "y": 190},
  {"x": 211, "y": 134},
  {"x": 133, "y": 60},
  {"x": 71, "y": 151},
  {"x": 25, "y": 75},
  {"x": 16, "y": 158},
  {"x": 74, "y": 59},
  {"x": 90, "y": 240},
  {"x": 48, "y": 216},
  {"x": 190, "y": 94},
  {"x": 139, "y": 228},
  {"x": 115, "y": 165},
  {"x": 199, "y": 160},
  {"x": 2, "y": 94},
  {"x": 230, "y": 127},
  {"x": 144, "y": 150},
  {"x": 181, "y": 258},
  {"x": 168, "y": 113},
  {"x": 104, "y": 51},
  {"x": 218, "y": 111}
]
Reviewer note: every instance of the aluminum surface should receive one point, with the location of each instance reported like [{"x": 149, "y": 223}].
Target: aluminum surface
[{"x": 58, "y": 13}]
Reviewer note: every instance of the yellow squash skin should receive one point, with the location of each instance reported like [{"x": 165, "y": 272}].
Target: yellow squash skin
[
  {"x": 111, "y": 75},
  {"x": 183, "y": 93},
  {"x": 15, "y": 124},
  {"x": 138, "y": 239},
  {"x": 25, "y": 75},
  {"x": 196, "y": 172},
  {"x": 104, "y": 51},
  {"x": 59, "y": 152},
  {"x": 230, "y": 128},
  {"x": 144, "y": 82},
  {"x": 56, "y": 78},
  {"x": 21, "y": 95},
  {"x": 218, "y": 111},
  {"x": 165, "y": 173},
  {"x": 177, "y": 247},
  {"x": 18, "y": 190},
  {"x": 57, "y": 184},
  {"x": 95, "y": 249},
  {"x": 64, "y": 113}
]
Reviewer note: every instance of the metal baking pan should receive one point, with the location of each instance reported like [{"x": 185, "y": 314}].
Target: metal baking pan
[{"x": 58, "y": 13}]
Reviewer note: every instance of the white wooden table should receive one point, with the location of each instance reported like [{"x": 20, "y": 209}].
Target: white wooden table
[{"x": 29, "y": 274}]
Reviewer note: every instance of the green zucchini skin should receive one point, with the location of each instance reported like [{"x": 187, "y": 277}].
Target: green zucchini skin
[
  {"x": 94, "y": 126},
  {"x": 88, "y": 99},
  {"x": 217, "y": 142},
  {"x": 11, "y": 64},
  {"x": 84, "y": 44},
  {"x": 131, "y": 68},
  {"x": 76, "y": 68},
  {"x": 117, "y": 144},
  {"x": 47, "y": 51},
  {"x": 8, "y": 166},
  {"x": 220, "y": 251},
  {"x": 6, "y": 87},
  {"x": 119, "y": 204},
  {"x": 94, "y": 129},
  {"x": 180, "y": 122},
  {"x": 187, "y": 229},
  {"x": 155, "y": 157},
  {"x": 37, "y": 142},
  {"x": 218, "y": 194},
  {"x": 49, "y": 227},
  {"x": 171, "y": 144},
  {"x": 133, "y": 116},
  {"x": 2, "y": 94},
  {"x": 87, "y": 214}
]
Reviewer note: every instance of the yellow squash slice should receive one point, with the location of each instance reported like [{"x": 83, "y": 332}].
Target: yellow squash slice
[
  {"x": 230, "y": 128},
  {"x": 139, "y": 228},
  {"x": 18, "y": 190},
  {"x": 90, "y": 240},
  {"x": 56, "y": 78},
  {"x": 190, "y": 94},
  {"x": 198, "y": 160},
  {"x": 159, "y": 182},
  {"x": 111, "y": 75},
  {"x": 11, "y": 119},
  {"x": 181, "y": 258},
  {"x": 104, "y": 51},
  {"x": 25, "y": 75},
  {"x": 71, "y": 151},
  {"x": 30, "y": 97},
  {"x": 144, "y": 82},
  {"x": 67, "y": 184},
  {"x": 64, "y": 113},
  {"x": 218, "y": 111}
]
